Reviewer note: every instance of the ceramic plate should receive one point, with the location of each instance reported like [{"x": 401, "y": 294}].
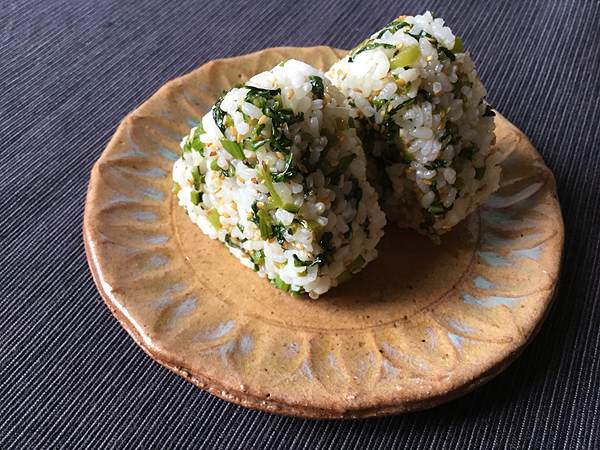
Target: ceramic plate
[{"x": 419, "y": 326}]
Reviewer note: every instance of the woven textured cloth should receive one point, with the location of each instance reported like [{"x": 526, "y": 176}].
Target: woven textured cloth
[{"x": 71, "y": 71}]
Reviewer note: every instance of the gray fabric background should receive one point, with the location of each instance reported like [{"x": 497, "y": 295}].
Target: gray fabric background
[{"x": 70, "y": 71}]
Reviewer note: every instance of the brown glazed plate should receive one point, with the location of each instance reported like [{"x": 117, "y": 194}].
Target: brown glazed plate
[{"x": 421, "y": 325}]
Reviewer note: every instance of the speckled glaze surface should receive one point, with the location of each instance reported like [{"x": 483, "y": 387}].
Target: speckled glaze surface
[{"x": 419, "y": 326}]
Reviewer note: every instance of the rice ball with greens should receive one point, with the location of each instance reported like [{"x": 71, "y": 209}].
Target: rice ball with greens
[
  {"x": 425, "y": 125},
  {"x": 276, "y": 172}
]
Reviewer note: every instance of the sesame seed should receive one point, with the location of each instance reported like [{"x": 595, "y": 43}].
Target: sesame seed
[
  {"x": 441, "y": 126},
  {"x": 344, "y": 77},
  {"x": 232, "y": 130},
  {"x": 270, "y": 198},
  {"x": 327, "y": 181},
  {"x": 382, "y": 112},
  {"x": 280, "y": 155},
  {"x": 239, "y": 138},
  {"x": 217, "y": 191},
  {"x": 226, "y": 214},
  {"x": 303, "y": 168},
  {"x": 241, "y": 180},
  {"x": 464, "y": 97},
  {"x": 309, "y": 254},
  {"x": 375, "y": 93},
  {"x": 225, "y": 120},
  {"x": 254, "y": 180},
  {"x": 399, "y": 46},
  {"x": 262, "y": 119},
  {"x": 290, "y": 93},
  {"x": 260, "y": 204},
  {"x": 446, "y": 228},
  {"x": 357, "y": 90},
  {"x": 493, "y": 141},
  {"x": 285, "y": 245},
  {"x": 214, "y": 147},
  {"x": 400, "y": 82},
  {"x": 400, "y": 19},
  {"x": 415, "y": 190},
  {"x": 407, "y": 171},
  {"x": 406, "y": 28},
  {"x": 222, "y": 177},
  {"x": 390, "y": 107},
  {"x": 218, "y": 181},
  {"x": 190, "y": 183},
  {"x": 442, "y": 114},
  {"x": 233, "y": 206},
  {"x": 327, "y": 97},
  {"x": 250, "y": 215},
  {"x": 376, "y": 127},
  {"x": 342, "y": 138},
  {"x": 427, "y": 182},
  {"x": 334, "y": 163},
  {"x": 429, "y": 58}
]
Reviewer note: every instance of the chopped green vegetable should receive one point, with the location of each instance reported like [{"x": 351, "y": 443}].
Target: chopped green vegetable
[
  {"x": 299, "y": 263},
  {"x": 268, "y": 179},
  {"x": 176, "y": 188},
  {"x": 355, "y": 193},
  {"x": 234, "y": 149},
  {"x": 479, "y": 173},
  {"x": 329, "y": 249},
  {"x": 291, "y": 208},
  {"x": 214, "y": 164},
  {"x": 356, "y": 264},
  {"x": 196, "y": 176},
  {"x": 344, "y": 276},
  {"x": 370, "y": 47},
  {"x": 259, "y": 257},
  {"x": 405, "y": 57},
  {"x": 195, "y": 197},
  {"x": 280, "y": 284},
  {"x": 317, "y": 86},
  {"x": 341, "y": 124},
  {"x": 393, "y": 27},
  {"x": 265, "y": 224},
  {"x": 458, "y": 46},
  {"x": 435, "y": 164},
  {"x": 288, "y": 171},
  {"x": 213, "y": 217},
  {"x": 218, "y": 113},
  {"x": 340, "y": 169},
  {"x": 278, "y": 231}
]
